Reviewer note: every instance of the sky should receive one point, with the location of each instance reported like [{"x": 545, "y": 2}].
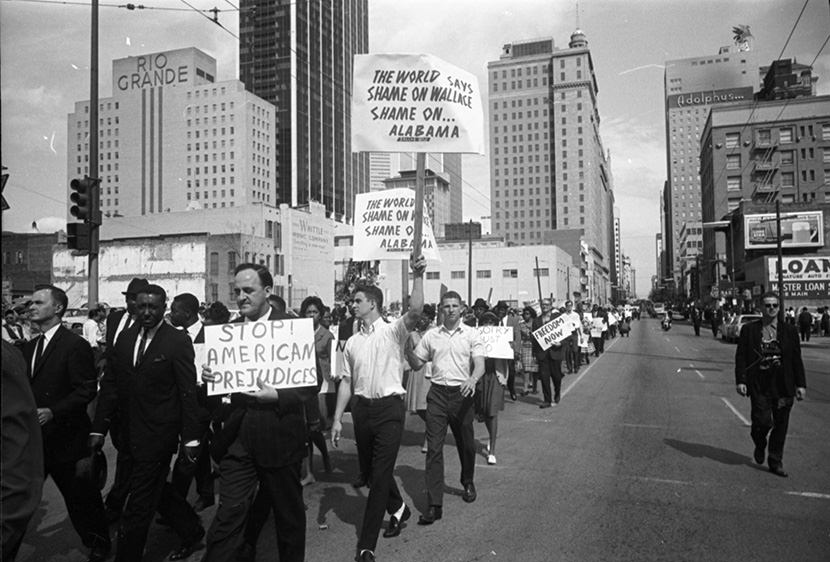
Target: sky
[{"x": 44, "y": 70}]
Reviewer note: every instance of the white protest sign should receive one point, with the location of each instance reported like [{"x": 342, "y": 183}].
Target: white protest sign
[
  {"x": 200, "y": 359},
  {"x": 337, "y": 360},
  {"x": 383, "y": 227},
  {"x": 496, "y": 340},
  {"x": 277, "y": 352},
  {"x": 415, "y": 103},
  {"x": 597, "y": 327},
  {"x": 553, "y": 332}
]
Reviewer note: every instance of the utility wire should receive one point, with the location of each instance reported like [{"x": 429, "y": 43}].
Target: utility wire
[{"x": 128, "y": 6}]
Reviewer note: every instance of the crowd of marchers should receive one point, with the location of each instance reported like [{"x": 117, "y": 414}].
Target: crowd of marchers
[{"x": 131, "y": 376}]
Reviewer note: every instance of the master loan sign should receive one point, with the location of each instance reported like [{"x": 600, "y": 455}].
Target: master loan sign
[{"x": 415, "y": 103}]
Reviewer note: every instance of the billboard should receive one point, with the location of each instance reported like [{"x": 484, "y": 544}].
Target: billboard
[
  {"x": 804, "y": 277},
  {"x": 710, "y": 97},
  {"x": 798, "y": 230}
]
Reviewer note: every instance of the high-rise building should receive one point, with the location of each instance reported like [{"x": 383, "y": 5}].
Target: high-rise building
[
  {"x": 298, "y": 56},
  {"x": 171, "y": 138},
  {"x": 692, "y": 86},
  {"x": 436, "y": 196},
  {"x": 549, "y": 170}
]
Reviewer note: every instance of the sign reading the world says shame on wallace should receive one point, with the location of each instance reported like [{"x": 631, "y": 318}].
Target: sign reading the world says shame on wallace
[
  {"x": 384, "y": 226},
  {"x": 415, "y": 103},
  {"x": 279, "y": 353}
]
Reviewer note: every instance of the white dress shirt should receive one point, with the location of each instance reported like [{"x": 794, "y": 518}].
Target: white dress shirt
[
  {"x": 373, "y": 357},
  {"x": 47, "y": 337}
]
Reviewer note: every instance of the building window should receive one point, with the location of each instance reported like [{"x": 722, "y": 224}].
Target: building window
[
  {"x": 787, "y": 157},
  {"x": 785, "y": 135},
  {"x": 457, "y": 275},
  {"x": 733, "y": 162},
  {"x": 541, "y": 272},
  {"x": 826, "y": 156},
  {"x": 787, "y": 179},
  {"x": 214, "y": 264},
  {"x": 483, "y": 274},
  {"x": 733, "y": 183},
  {"x": 511, "y": 273},
  {"x": 433, "y": 275},
  {"x": 231, "y": 261}
]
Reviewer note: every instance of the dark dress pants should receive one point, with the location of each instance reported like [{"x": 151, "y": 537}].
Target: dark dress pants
[
  {"x": 83, "y": 500},
  {"x": 149, "y": 493},
  {"x": 571, "y": 355},
  {"x": 378, "y": 428},
  {"x": 446, "y": 406},
  {"x": 770, "y": 419},
  {"x": 123, "y": 467},
  {"x": 550, "y": 370},
  {"x": 511, "y": 377},
  {"x": 184, "y": 472},
  {"x": 239, "y": 476}
]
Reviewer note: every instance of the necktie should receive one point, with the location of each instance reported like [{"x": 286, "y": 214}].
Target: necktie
[
  {"x": 38, "y": 353},
  {"x": 141, "y": 345}
]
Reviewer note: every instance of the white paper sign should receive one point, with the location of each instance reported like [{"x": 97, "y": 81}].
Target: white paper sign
[
  {"x": 553, "y": 332},
  {"x": 201, "y": 358},
  {"x": 277, "y": 352},
  {"x": 384, "y": 227},
  {"x": 337, "y": 360},
  {"x": 496, "y": 341},
  {"x": 415, "y": 103}
]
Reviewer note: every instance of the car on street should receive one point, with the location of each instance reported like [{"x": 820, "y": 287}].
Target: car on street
[{"x": 732, "y": 329}]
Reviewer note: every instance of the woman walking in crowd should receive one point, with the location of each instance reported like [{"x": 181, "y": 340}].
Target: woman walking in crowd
[
  {"x": 312, "y": 307},
  {"x": 529, "y": 367},
  {"x": 489, "y": 395},
  {"x": 417, "y": 381}
]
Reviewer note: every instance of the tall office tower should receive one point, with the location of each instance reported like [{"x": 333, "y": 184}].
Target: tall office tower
[
  {"x": 692, "y": 86},
  {"x": 171, "y": 138},
  {"x": 298, "y": 56},
  {"x": 385, "y": 165},
  {"x": 618, "y": 255},
  {"x": 548, "y": 167}
]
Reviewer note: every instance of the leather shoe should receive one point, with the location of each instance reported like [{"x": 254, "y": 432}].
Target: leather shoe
[
  {"x": 98, "y": 553},
  {"x": 469, "y": 494},
  {"x": 203, "y": 503},
  {"x": 760, "y": 455},
  {"x": 545, "y": 405},
  {"x": 188, "y": 546},
  {"x": 361, "y": 482},
  {"x": 778, "y": 470},
  {"x": 556, "y": 398},
  {"x": 365, "y": 556},
  {"x": 513, "y": 396},
  {"x": 433, "y": 514},
  {"x": 394, "y": 527}
]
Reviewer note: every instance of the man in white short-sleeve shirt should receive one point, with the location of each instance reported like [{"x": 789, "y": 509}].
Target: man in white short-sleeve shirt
[
  {"x": 455, "y": 350},
  {"x": 373, "y": 366}
]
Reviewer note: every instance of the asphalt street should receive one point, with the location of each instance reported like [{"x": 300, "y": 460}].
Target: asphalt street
[{"x": 647, "y": 457}]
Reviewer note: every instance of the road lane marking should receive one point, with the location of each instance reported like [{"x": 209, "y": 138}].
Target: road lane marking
[
  {"x": 644, "y": 425},
  {"x": 677, "y": 349},
  {"x": 662, "y": 480},
  {"x": 699, "y": 374},
  {"x": 736, "y": 412},
  {"x": 585, "y": 372},
  {"x": 815, "y": 495}
]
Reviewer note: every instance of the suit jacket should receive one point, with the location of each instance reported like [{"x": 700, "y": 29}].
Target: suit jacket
[
  {"x": 555, "y": 351},
  {"x": 65, "y": 381},
  {"x": 156, "y": 399},
  {"x": 273, "y": 433},
  {"x": 113, "y": 320},
  {"x": 748, "y": 359}
]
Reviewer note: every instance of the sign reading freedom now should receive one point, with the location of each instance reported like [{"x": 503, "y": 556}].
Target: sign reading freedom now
[
  {"x": 415, "y": 103},
  {"x": 279, "y": 353},
  {"x": 554, "y": 331},
  {"x": 384, "y": 227}
]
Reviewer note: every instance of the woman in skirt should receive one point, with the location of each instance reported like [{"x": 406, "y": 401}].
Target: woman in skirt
[
  {"x": 489, "y": 395},
  {"x": 417, "y": 382},
  {"x": 529, "y": 366}
]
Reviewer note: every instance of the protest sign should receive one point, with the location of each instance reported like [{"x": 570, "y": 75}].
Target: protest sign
[
  {"x": 597, "y": 327},
  {"x": 383, "y": 228},
  {"x": 559, "y": 328},
  {"x": 495, "y": 341},
  {"x": 415, "y": 103},
  {"x": 200, "y": 359},
  {"x": 279, "y": 353},
  {"x": 336, "y": 358}
]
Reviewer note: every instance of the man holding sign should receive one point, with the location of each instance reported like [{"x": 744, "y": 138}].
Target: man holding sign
[
  {"x": 264, "y": 437},
  {"x": 550, "y": 354},
  {"x": 372, "y": 365}
]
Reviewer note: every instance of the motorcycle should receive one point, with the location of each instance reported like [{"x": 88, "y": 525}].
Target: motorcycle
[{"x": 666, "y": 324}]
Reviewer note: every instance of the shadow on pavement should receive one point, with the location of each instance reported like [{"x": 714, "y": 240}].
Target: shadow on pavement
[{"x": 723, "y": 456}]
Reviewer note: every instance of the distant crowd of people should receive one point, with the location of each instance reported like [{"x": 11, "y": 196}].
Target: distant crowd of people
[{"x": 131, "y": 374}]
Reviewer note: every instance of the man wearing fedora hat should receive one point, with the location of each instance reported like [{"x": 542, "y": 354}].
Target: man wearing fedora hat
[
  {"x": 118, "y": 322},
  {"x": 479, "y": 307}
]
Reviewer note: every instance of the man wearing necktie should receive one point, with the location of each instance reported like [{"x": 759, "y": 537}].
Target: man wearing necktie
[
  {"x": 63, "y": 377},
  {"x": 117, "y": 323},
  {"x": 151, "y": 383}
]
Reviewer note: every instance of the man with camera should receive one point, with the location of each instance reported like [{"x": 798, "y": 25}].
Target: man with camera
[{"x": 769, "y": 369}]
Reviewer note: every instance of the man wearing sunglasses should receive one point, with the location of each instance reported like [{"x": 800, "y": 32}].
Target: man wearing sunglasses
[{"x": 769, "y": 369}]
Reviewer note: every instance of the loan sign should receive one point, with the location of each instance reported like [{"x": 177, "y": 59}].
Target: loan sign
[
  {"x": 495, "y": 341},
  {"x": 384, "y": 226},
  {"x": 554, "y": 331},
  {"x": 279, "y": 353},
  {"x": 415, "y": 103}
]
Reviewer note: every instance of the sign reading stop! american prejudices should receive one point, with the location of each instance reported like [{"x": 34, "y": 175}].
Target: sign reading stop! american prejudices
[
  {"x": 495, "y": 341},
  {"x": 279, "y": 353},
  {"x": 554, "y": 331}
]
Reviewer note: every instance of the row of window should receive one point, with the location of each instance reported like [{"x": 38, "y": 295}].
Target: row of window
[{"x": 487, "y": 273}]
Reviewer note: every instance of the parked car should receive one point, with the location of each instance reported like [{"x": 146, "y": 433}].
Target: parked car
[{"x": 732, "y": 330}]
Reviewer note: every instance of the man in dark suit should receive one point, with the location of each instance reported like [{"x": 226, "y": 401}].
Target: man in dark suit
[
  {"x": 184, "y": 314},
  {"x": 118, "y": 322},
  {"x": 550, "y": 360},
  {"x": 151, "y": 382},
  {"x": 21, "y": 453},
  {"x": 62, "y": 372},
  {"x": 265, "y": 436},
  {"x": 769, "y": 369}
]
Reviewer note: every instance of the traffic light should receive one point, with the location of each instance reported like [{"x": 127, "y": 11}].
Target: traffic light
[
  {"x": 81, "y": 196},
  {"x": 77, "y": 236}
]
